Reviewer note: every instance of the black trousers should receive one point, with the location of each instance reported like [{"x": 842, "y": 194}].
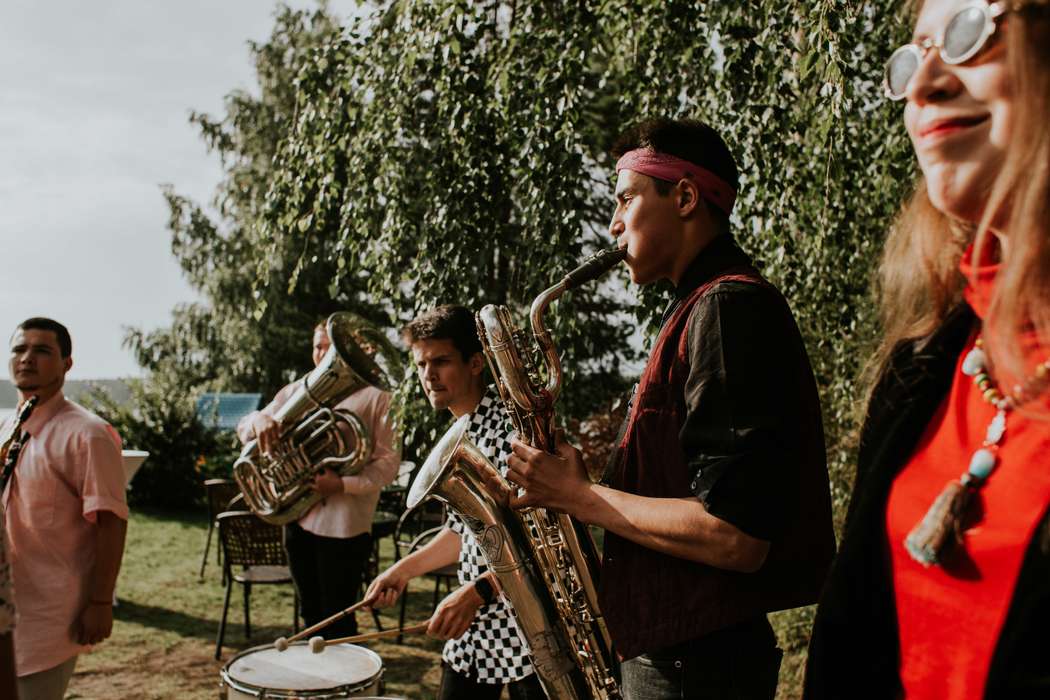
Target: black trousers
[
  {"x": 459, "y": 686},
  {"x": 328, "y": 573},
  {"x": 737, "y": 663}
]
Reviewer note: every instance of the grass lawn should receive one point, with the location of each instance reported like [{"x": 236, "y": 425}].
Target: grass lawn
[
  {"x": 163, "y": 643},
  {"x": 165, "y": 625}
]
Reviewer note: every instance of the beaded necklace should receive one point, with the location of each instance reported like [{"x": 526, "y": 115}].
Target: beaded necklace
[{"x": 941, "y": 527}]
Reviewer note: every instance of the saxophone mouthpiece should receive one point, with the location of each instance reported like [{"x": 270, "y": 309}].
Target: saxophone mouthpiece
[{"x": 594, "y": 267}]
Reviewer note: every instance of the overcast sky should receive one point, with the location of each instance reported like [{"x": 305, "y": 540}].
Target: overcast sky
[{"x": 94, "y": 118}]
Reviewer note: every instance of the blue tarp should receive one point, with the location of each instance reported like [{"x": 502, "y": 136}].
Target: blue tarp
[{"x": 224, "y": 410}]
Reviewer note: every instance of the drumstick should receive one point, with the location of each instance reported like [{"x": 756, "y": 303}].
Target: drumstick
[
  {"x": 280, "y": 644},
  {"x": 318, "y": 644}
]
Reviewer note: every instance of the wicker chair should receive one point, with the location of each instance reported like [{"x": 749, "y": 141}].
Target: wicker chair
[
  {"x": 218, "y": 493},
  {"x": 386, "y": 521},
  {"x": 253, "y": 553}
]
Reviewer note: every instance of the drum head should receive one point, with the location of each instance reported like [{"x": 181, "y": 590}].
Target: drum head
[{"x": 342, "y": 667}]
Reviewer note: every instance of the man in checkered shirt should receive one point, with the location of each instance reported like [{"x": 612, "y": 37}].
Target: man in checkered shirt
[{"x": 485, "y": 650}]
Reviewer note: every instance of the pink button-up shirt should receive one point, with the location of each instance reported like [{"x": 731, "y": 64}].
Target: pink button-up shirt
[
  {"x": 70, "y": 468},
  {"x": 7, "y": 595},
  {"x": 349, "y": 513}
]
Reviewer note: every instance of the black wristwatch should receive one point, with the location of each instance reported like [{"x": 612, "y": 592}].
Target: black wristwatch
[{"x": 485, "y": 590}]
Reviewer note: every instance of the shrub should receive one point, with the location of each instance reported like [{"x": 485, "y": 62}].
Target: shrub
[{"x": 161, "y": 418}]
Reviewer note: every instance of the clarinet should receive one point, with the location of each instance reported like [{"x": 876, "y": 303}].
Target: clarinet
[{"x": 12, "y": 446}]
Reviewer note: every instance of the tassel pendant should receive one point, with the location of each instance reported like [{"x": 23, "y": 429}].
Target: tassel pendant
[{"x": 941, "y": 527}]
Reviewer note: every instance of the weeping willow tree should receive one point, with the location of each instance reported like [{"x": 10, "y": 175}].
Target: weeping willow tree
[
  {"x": 469, "y": 134},
  {"x": 474, "y": 138},
  {"x": 455, "y": 151}
]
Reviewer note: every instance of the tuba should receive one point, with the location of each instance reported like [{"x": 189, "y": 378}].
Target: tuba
[
  {"x": 315, "y": 436},
  {"x": 545, "y": 562}
]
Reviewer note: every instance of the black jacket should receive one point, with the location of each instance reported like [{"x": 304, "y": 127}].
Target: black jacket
[{"x": 854, "y": 651}]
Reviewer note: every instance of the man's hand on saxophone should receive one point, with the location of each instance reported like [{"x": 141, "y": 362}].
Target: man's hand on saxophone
[
  {"x": 559, "y": 482},
  {"x": 681, "y": 527}
]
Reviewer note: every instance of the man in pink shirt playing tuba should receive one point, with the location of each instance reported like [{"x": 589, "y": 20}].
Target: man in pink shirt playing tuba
[
  {"x": 66, "y": 516},
  {"x": 328, "y": 548}
]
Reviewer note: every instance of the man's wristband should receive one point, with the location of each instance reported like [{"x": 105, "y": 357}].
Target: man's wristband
[
  {"x": 101, "y": 602},
  {"x": 485, "y": 590}
]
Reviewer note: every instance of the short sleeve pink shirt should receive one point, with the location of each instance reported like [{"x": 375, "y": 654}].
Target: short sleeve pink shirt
[
  {"x": 70, "y": 468},
  {"x": 7, "y": 596}
]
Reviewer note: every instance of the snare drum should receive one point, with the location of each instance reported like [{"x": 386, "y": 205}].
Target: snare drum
[{"x": 340, "y": 671}]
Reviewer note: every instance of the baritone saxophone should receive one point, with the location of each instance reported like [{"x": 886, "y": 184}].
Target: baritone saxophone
[{"x": 546, "y": 562}]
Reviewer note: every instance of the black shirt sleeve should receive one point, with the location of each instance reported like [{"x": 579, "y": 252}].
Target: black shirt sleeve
[{"x": 739, "y": 394}]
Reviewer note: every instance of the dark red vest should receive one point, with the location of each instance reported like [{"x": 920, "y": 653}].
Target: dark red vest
[{"x": 652, "y": 600}]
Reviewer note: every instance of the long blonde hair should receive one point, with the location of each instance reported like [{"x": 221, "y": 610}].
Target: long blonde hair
[{"x": 919, "y": 280}]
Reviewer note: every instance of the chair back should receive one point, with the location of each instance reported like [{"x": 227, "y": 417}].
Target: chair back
[
  {"x": 248, "y": 540},
  {"x": 427, "y": 516},
  {"x": 219, "y": 493},
  {"x": 405, "y": 471}
]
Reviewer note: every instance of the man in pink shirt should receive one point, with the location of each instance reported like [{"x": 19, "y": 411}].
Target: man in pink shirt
[
  {"x": 8, "y": 688},
  {"x": 66, "y": 517},
  {"x": 329, "y": 546}
]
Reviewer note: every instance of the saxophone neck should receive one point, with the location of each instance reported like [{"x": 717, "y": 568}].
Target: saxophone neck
[
  {"x": 544, "y": 339},
  {"x": 592, "y": 268}
]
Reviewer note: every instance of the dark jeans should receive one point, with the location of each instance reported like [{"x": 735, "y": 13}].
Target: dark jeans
[
  {"x": 328, "y": 574},
  {"x": 738, "y": 663},
  {"x": 459, "y": 686}
]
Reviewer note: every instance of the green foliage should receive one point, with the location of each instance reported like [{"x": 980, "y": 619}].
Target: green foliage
[
  {"x": 165, "y": 624},
  {"x": 467, "y": 133},
  {"x": 476, "y": 131},
  {"x": 450, "y": 151},
  {"x": 162, "y": 420}
]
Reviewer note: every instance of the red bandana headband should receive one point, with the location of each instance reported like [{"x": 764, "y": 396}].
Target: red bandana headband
[{"x": 664, "y": 166}]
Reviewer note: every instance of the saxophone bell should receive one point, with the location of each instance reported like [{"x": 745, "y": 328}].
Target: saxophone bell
[{"x": 458, "y": 474}]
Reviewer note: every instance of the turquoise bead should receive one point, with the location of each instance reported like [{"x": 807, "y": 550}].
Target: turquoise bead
[
  {"x": 982, "y": 463},
  {"x": 974, "y": 362}
]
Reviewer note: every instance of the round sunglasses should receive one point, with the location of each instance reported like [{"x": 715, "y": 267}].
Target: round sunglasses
[{"x": 963, "y": 37}]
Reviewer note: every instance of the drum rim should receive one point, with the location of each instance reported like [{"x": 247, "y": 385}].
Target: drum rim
[{"x": 321, "y": 694}]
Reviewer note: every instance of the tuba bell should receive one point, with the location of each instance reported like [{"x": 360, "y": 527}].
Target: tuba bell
[{"x": 314, "y": 435}]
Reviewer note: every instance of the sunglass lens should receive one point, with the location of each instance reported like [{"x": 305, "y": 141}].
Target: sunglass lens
[
  {"x": 962, "y": 33},
  {"x": 900, "y": 68}
]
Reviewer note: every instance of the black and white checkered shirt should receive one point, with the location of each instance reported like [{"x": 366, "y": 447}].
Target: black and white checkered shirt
[{"x": 492, "y": 650}]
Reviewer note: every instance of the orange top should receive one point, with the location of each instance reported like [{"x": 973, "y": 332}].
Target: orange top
[{"x": 950, "y": 616}]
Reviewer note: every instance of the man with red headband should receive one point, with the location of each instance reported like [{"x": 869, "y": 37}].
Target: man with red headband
[{"x": 716, "y": 505}]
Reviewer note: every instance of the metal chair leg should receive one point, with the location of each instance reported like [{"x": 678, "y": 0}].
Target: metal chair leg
[
  {"x": 207, "y": 546},
  {"x": 401, "y": 616},
  {"x": 437, "y": 593},
  {"x": 222, "y": 622},
  {"x": 247, "y": 610},
  {"x": 375, "y": 619}
]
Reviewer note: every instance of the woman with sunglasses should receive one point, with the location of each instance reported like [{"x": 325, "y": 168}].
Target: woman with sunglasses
[{"x": 941, "y": 588}]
